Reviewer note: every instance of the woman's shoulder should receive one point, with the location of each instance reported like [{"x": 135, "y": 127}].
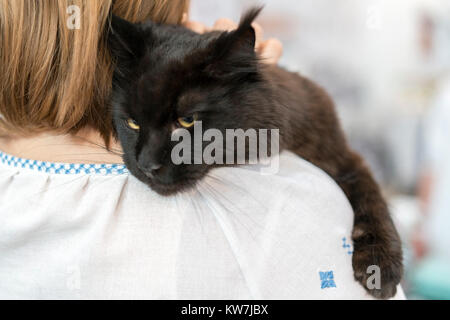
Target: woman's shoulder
[{"x": 294, "y": 185}]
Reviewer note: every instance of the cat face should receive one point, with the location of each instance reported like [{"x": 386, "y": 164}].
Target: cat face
[{"x": 168, "y": 78}]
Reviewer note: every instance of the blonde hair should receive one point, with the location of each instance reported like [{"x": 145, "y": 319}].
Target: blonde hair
[{"x": 54, "y": 78}]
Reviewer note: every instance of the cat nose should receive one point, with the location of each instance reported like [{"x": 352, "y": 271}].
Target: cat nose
[
  {"x": 155, "y": 167},
  {"x": 150, "y": 169}
]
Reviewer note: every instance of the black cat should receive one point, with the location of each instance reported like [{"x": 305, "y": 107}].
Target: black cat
[{"x": 168, "y": 77}]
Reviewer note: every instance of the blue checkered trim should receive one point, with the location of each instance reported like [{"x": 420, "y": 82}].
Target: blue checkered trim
[{"x": 63, "y": 168}]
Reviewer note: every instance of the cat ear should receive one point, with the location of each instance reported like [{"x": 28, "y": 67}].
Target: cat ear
[
  {"x": 125, "y": 41},
  {"x": 234, "y": 52}
]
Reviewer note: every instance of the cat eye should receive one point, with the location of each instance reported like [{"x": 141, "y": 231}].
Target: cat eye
[
  {"x": 187, "y": 122},
  {"x": 133, "y": 124}
]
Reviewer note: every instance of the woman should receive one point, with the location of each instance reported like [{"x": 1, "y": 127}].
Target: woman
[{"x": 73, "y": 222}]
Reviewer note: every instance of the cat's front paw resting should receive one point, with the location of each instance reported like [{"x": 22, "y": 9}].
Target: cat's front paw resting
[{"x": 377, "y": 263}]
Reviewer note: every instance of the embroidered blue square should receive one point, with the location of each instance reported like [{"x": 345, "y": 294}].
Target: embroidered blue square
[
  {"x": 327, "y": 279},
  {"x": 63, "y": 168}
]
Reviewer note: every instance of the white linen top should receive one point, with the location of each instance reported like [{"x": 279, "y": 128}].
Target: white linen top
[{"x": 95, "y": 232}]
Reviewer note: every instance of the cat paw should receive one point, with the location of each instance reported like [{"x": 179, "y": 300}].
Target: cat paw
[{"x": 377, "y": 264}]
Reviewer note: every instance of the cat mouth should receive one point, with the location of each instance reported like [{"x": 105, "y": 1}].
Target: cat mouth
[
  {"x": 166, "y": 188},
  {"x": 161, "y": 186}
]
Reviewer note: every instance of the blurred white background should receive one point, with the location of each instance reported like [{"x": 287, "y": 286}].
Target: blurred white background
[{"x": 387, "y": 65}]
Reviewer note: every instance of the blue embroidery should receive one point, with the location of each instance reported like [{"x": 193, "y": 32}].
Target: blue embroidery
[
  {"x": 327, "y": 279},
  {"x": 346, "y": 246},
  {"x": 63, "y": 168}
]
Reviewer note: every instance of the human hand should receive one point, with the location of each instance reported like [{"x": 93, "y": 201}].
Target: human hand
[{"x": 270, "y": 50}]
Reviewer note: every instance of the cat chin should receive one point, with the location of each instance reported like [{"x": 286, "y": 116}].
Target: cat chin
[
  {"x": 167, "y": 190},
  {"x": 164, "y": 189}
]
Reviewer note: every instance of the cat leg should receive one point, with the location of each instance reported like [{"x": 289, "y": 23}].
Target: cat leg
[{"x": 377, "y": 246}]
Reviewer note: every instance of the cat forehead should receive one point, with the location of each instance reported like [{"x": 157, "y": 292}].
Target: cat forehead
[
  {"x": 175, "y": 43},
  {"x": 191, "y": 100},
  {"x": 160, "y": 97}
]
